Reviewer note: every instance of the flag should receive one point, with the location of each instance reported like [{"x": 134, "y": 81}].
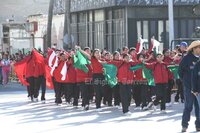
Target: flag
[
  {"x": 110, "y": 73},
  {"x": 37, "y": 56},
  {"x": 64, "y": 71},
  {"x": 20, "y": 70},
  {"x": 174, "y": 70},
  {"x": 136, "y": 67},
  {"x": 154, "y": 46},
  {"x": 51, "y": 57},
  {"x": 139, "y": 46},
  {"x": 49, "y": 82},
  {"x": 80, "y": 61},
  {"x": 147, "y": 74}
]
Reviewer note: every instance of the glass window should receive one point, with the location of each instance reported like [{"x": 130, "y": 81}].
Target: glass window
[
  {"x": 153, "y": 28},
  {"x": 160, "y": 30},
  {"x": 190, "y": 27},
  {"x": 145, "y": 30},
  {"x": 139, "y": 31},
  {"x": 183, "y": 29},
  {"x": 99, "y": 15}
]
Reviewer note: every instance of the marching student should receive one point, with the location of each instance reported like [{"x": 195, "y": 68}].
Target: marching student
[
  {"x": 168, "y": 60},
  {"x": 125, "y": 80},
  {"x": 71, "y": 90},
  {"x": 107, "y": 99},
  {"x": 140, "y": 89},
  {"x": 59, "y": 74},
  {"x": 117, "y": 62},
  {"x": 160, "y": 73},
  {"x": 29, "y": 74},
  {"x": 84, "y": 80},
  {"x": 97, "y": 77}
]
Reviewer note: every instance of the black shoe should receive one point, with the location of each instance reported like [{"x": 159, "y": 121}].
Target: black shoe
[
  {"x": 176, "y": 100},
  {"x": 198, "y": 129},
  {"x": 86, "y": 107},
  {"x": 184, "y": 129},
  {"x": 182, "y": 101},
  {"x": 42, "y": 99}
]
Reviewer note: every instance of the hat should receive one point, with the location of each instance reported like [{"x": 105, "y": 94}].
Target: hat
[
  {"x": 193, "y": 45},
  {"x": 184, "y": 44}
]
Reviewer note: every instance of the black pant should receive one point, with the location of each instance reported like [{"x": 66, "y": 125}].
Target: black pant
[
  {"x": 108, "y": 94},
  {"x": 136, "y": 92},
  {"x": 144, "y": 95},
  {"x": 98, "y": 80},
  {"x": 54, "y": 84},
  {"x": 91, "y": 91},
  {"x": 125, "y": 95},
  {"x": 31, "y": 87},
  {"x": 59, "y": 87},
  {"x": 76, "y": 94},
  {"x": 117, "y": 99},
  {"x": 169, "y": 90},
  {"x": 161, "y": 94},
  {"x": 38, "y": 82},
  {"x": 68, "y": 91},
  {"x": 43, "y": 87},
  {"x": 84, "y": 88},
  {"x": 179, "y": 91}
]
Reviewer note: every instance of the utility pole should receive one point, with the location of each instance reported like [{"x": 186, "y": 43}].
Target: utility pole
[
  {"x": 67, "y": 25},
  {"x": 50, "y": 17},
  {"x": 171, "y": 21}
]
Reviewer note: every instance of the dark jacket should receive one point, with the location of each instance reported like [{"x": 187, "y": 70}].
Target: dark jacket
[
  {"x": 185, "y": 69},
  {"x": 196, "y": 78}
]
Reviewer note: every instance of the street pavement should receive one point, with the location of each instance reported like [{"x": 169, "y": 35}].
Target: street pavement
[{"x": 18, "y": 114}]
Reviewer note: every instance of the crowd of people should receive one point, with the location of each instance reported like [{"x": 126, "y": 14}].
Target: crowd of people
[
  {"x": 131, "y": 84},
  {"x": 72, "y": 83}
]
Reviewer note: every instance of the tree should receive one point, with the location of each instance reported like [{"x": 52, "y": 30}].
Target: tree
[
  {"x": 50, "y": 16},
  {"x": 67, "y": 25}
]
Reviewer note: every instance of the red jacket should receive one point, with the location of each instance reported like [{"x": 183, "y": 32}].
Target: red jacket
[
  {"x": 57, "y": 72},
  {"x": 124, "y": 75},
  {"x": 84, "y": 77},
  {"x": 160, "y": 72},
  {"x": 39, "y": 69},
  {"x": 168, "y": 61},
  {"x": 96, "y": 66},
  {"x": 71, "y": 72},
  {"x": 30, "y": 68}
]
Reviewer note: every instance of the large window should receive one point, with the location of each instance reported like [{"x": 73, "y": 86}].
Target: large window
[{"x": 82, "y": 30}]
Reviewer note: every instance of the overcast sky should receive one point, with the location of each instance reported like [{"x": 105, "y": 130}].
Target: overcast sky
[{"x": 21, "y": 9}]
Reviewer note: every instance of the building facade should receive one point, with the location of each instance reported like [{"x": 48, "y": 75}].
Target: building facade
[{"x": 112, "y": 24}]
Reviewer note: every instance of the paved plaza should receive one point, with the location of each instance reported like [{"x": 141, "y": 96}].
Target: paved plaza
[{"x": 18, "y": 114}]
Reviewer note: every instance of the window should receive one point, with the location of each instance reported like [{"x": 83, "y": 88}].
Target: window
[{"x": 145, "y": 30}]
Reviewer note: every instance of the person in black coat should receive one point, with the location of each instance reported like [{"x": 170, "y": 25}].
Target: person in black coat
[{"x": 185, "y": 72}]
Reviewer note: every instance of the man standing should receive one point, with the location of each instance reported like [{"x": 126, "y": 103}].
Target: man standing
[{"x": 185, "y": 72}]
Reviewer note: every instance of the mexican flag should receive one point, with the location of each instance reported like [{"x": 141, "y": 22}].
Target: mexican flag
[
  {"x": 80, "y": 61},
  {"x": 154, "y": 46},
  {"x": 110, "y": 73},
  {"x": 139, "y": 46},
  {"x": 20, "y": 70},
  {"x": 174, "y": 70},
  {"x": 146, "y": 73}
]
